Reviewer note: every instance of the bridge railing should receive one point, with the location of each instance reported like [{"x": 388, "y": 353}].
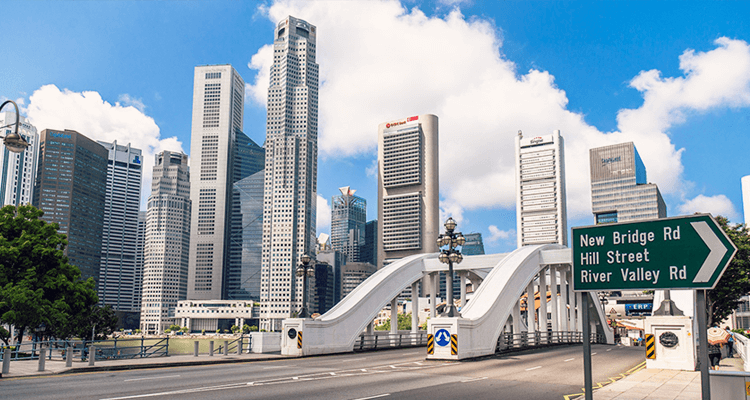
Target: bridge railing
[
  {"x": 241, "y": 345},
  {"x": 115, "y": 348},
  {"x": 511, "y": 341},
  {"x": 390, "y": 341}
]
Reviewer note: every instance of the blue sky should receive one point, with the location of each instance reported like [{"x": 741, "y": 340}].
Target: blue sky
[{"x": 674, "y": 77}]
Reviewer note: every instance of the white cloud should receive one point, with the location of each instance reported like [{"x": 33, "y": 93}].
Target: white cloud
[
  {"x": 716, "y": 205},
  {"x": 497, "y": 234},
  {"x": 381, "y": 61},
  {"x": 126, "y": 100},
  {"x": 89, "y": 114},
  {"x": 323, "y": 216}
]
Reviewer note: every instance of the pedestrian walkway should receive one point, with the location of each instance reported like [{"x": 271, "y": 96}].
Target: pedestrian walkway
[
  {"x": 29, "y": 368},
  {"x": 661, "y": 384}
]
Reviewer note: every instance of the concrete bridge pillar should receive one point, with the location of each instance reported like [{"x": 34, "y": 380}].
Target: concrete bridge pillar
[
  {"x": 462, "y": 282},
  {"x": 564, "y": 318},
  {"x": 394, "y": 316},
  {"x": 530, "y": 309},
  {"x": 517, "y": 318},
  {"x": 579, "y": 324},
  {"x": 554, "y": 300},
  {"x": 414, "y": 308},
  {"x": 571, "y": 301},
  {"x": 433, "y": 291},
  {"x": 543, "y": 300}
]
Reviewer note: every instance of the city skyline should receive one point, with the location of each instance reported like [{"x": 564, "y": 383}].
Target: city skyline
[{"x": 601, "y": 73}]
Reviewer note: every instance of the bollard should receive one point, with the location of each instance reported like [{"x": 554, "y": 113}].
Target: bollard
[
  {"x": 42, "y": 357},
  {"x": 195, "y": 348},
  {"x": 211, "y": 348},
  {"x": 92, "y": 355},
  {"x": 6, "y": 361},
  {"x": 226, "y": 347},
  {"x": 69, "y": 357},
  {"x": 239, "y": 347}
]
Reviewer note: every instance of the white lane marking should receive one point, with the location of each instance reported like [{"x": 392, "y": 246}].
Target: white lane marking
[
  {"x": 609, "y": 349},
  {"x": 295, "y": 378},
  {"x": 374, "y": 397},
  {"x": 151, "y": 378},
  {"x": 279, "y": 366},
  {"x": 593, "y": 354},
  {"x": 533, "y": 368},
  {"x": 332, "y": 373},
  {"x": 570, "y": 359},
  {"x": 475, "y": 379},
  {"x": 354, "y": 359}
]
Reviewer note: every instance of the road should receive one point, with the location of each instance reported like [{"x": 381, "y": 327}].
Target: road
[{"x": 395, "y": 374}]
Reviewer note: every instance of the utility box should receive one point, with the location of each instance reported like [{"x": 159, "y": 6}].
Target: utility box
[{"x": 675, "y": 342}]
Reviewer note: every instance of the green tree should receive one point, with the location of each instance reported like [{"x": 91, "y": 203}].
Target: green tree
[
  {"x": 404, "y": 323},
  {"x": 40, "y": 291},
  {"x": 735, "y": 282}
]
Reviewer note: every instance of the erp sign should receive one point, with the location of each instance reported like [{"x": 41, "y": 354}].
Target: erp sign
[{"x": 671, "y": 253}]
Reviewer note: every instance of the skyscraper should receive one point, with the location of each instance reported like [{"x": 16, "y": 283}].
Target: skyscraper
[
  {"x": 291, "y": 169},
  {"x": 165, "y": 269},
  {"x": 474, "y": 245},
  {"x": 409, "y": 219},
  {"x": 71, "y": 187},
  {"x": 370, "y": 249},
  {"x": 541, "y": 210},
  {"x": 348, "y": 216},
  {"x": 140, "y": 249},
  {"x": 117, "y": 273},
  {"x": 218, "y": 102},
  {"x": 620, "y": 191},
  {"x": 18, "y": 169}
]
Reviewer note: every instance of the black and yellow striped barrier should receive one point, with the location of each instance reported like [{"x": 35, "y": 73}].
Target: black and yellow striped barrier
[
  {"x": 454, "y": 344},
  {"x": 650, "y": 346},
  {"x": 299, "y": 339},
  {"x": 430, "y": 343}
]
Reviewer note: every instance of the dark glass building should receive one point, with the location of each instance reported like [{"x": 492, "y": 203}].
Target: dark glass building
[{"x": 70, "y": 188}]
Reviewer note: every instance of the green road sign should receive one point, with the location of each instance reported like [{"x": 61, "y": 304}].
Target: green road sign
[{"x": 673, "y": 253}]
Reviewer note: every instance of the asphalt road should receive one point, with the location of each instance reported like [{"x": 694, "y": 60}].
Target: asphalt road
[{"x": 395, "y": 374}]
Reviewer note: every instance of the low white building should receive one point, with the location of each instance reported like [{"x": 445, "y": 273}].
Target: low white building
[{"x": 210, "y": 315}]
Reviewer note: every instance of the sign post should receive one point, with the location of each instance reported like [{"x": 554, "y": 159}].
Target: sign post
[{"x": 689, "y": 252}]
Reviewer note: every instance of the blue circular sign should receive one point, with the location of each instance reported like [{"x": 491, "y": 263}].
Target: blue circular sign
[{"x": 442, "y": 337}]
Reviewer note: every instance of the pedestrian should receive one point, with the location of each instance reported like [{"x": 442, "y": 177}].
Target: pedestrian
[
  {"x": 730, "y": 343},
  {"x": 714, "y": 355}
]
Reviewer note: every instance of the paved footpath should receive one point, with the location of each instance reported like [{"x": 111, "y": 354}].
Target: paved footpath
[
  {"x": 661, "y": 384},
  {"x": 28, "y": 368}
]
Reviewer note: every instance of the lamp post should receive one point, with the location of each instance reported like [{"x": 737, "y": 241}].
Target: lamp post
[
  {"x": 450, "y": 256},
  {"x": 304, "y": 270},
  {"x": 14, "y": 142}
]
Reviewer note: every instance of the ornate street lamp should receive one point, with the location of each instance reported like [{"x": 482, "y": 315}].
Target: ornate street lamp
[
  {"x": 14, "y": 142},
  {"x": 450, "y": 256},
  {"x": 304, "y": 270}
]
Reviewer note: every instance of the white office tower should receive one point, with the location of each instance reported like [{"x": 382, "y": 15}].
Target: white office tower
[
  {"x": 18, "y": 169},
  {"x": 218, "y": 103},
  {"x": 541, "y": 215},
  {"x": 745, "y": 181},
  {"x": 408, "y": 203},
  {"x": 291, "y": 169},
  {"x": 165, "y": 266},
  {"x": 140, "y": 248},
  {"x": 620, "y": 191},
  {"x": 117, "y": 271}
]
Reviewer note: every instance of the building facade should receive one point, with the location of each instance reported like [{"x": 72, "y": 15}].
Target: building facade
[
  {"x": 474, "y": 245},
  {"x": 118, "y": 271},
  {"x": 18, "y": 170},
  {"x": 620, "y": 191},
  {"x": 541, "y": 211},
  {"x": 336, "y": 260},
  {"x": 408, "y": 189},
  {"x": 218, "y": 104},
  {"x": 369, "y": 252},
  {"x": 71, "y": 188},
  {"x": 348, "y": 218},
  {"x": 291, "y": 169},
  {"x": 167, "y": 242}
]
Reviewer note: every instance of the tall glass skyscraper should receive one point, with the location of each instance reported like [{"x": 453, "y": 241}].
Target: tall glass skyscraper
[
  {"x": 18, "y": 170},
  {"x": 620, "y": 191},
  {"x": 291, "y": 169},
  {"x": 218, "y": 102},
  {"x": 167, "y": 243},
  {"x": 71, "y": 187},
  {"x": 118, "y": 274},
  {"x": 348, "y": 216}
]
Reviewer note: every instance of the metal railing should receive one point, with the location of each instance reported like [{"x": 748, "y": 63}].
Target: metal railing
[
  {"x": 510, "y": 341},
  {"x": 742, "y": 346},
  {"x": 243, "y": 342},
  {"x": 109, "y": 349},
  {"x": 390, "y": 341}
]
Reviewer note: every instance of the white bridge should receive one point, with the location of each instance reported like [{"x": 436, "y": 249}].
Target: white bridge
[{"x": 499, "y": 305}]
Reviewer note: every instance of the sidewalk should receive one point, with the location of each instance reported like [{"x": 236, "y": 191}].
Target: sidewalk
[
  {"x": 661, "y": 384},
  {"x": 29, "y": 368}
]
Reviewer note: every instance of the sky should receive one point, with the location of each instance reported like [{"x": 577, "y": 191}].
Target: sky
[{"x": 672, "y": 77}]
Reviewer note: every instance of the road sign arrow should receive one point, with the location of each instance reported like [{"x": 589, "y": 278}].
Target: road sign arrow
[{"x": 716, "y": 247}]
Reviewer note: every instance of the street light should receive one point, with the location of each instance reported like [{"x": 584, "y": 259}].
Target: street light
[
  {"x": 450, "y": 256},
  {"x": 304, "y": 270},
  {"x": 14, "y": 142}
]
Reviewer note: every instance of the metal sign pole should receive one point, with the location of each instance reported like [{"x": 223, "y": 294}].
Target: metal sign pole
[
  {"x": 587, "y": 381},
  {"x": 700, "y": 299}
]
